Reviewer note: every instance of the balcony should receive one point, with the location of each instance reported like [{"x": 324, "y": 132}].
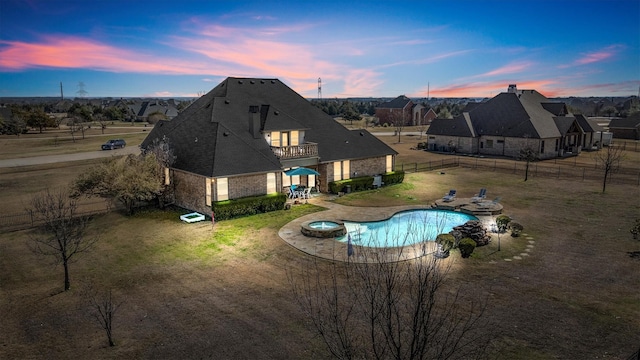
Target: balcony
[{"x": 305, "y": 150}]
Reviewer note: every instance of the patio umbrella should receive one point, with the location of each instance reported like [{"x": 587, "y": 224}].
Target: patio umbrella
[{"x": 301, "y": 171}]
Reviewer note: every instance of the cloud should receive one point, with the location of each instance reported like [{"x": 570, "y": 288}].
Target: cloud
[
  {"x": 596, "y": 56},
  {"x": 508, "y": 69},
  {"x": 487, "y": 88},
  {"x": 79, "y": 53}
]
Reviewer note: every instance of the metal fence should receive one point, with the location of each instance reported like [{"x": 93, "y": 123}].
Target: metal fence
[
  {"x": 25, "y": 220},
  {"x": 545, "y": 169},
  {"x": 626, "y": 145}
]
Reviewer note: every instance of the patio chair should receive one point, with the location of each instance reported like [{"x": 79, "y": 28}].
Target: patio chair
[
  {"x": 479, "y": 196},
  {"x": 488, "y": 204},
  {"x": 450, "y": 196},
  {"x": 292, "y": 192},
  {"x": 306, "y": 193}
]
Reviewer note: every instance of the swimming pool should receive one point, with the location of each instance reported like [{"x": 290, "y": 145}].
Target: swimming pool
[{"x": 404, "y": 228}]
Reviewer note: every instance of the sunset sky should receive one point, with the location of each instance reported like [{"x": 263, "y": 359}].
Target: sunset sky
[{"x": 358, "y": 48}]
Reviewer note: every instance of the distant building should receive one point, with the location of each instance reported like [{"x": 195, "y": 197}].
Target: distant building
[
  {"x": 403, "y": 110},
  {"x": 512, "y": 121}
]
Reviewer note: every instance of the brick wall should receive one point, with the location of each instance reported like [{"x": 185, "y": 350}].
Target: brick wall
[
  {"x": 369, "y": 166},
  {"x": 190, "y": 192},
  {"x": 251, "y": 185}
]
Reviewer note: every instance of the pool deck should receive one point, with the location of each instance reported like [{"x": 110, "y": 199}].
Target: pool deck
[{"x": 331, "y": 249}]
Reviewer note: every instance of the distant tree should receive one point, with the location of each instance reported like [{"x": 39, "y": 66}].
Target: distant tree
[
  {"x": 397, "y": 119},
  {"x": 61, "y": 231},
  {"x": 128, "y": 180},
  {"x": 444, "y": 113},
  {"x": 114, "y": 113},
  {"x": 38, "y": 119},
  {"x": 608, "y": 159},
  {"x": 155, "y": 117},
  {"x": 15, "y": 125},
  {"x": 608, "y": 110},
  {"x": 527, "y": 154}
]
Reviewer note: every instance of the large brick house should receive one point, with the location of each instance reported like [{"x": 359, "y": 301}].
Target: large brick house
[
  {"x": 238, "y": 139},
  {"x": 511, "y": 121},
  {"x": 402, "y": 111}
]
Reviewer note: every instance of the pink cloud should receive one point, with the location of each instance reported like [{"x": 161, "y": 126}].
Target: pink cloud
[
  {"x": 508, "y": 69},
  {"x": 73, "y": 52},
  {"x": 488, "y": 89},
  {"x": 597, "y": 56}
]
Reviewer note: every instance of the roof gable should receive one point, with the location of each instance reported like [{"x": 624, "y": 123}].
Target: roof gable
[{"x": 398, "y": 103}]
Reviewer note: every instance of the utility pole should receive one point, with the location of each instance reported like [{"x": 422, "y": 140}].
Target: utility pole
[{"x": 61, "y": 93}]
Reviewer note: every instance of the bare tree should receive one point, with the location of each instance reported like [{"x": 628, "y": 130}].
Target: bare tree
[
  {"x": 397, "y": 119},
  {"x": 381, "y": 309},
  {"x": 62, "y": 232},
  {"x": 527, "y": 154},
  {"x": 609, "y": 159},
  {"x": 103, "y": 310}
]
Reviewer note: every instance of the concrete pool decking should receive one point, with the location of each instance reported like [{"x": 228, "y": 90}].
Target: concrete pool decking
[{"x": 331, "y": 249}]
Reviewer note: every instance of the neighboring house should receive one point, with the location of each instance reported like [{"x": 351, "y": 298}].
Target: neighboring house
[
  {"x": 512, "y": 121},
  {"x": 238, "y": 139},
  {"x": 626, "y": 128},
  {"x": 398, "y": 109},
  {"x": 144, "y": 109}
]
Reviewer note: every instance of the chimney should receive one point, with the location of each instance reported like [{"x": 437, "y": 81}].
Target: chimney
[
  {"x": 254, "y": 121},
  {"x": 512, "y": 89}
]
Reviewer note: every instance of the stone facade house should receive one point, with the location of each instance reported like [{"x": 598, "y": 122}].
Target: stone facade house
[
  {"x": 238, "y": 139},
  {"x": 511, "y": 121}
]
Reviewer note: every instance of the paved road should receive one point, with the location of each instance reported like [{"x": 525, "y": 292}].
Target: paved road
[{"x": 50, "y": 159}]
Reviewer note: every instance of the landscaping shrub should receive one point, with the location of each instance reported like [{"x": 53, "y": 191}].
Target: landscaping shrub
[
  {"x": 357, "y": 184},
  {"x": 229, "y": 209},
  {"x": 393, "y": 177},
  {"x": 466, "y": 246},
  {"x": 502, "y": 222},
  {"x": 516, "y": 228},
  {"x": 447, "y": 241}
]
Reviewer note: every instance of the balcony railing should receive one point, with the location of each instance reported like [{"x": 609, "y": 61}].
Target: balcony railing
[{"x": 297, "y": 151}]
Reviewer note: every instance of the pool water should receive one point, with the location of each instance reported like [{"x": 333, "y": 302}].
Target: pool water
[{"x": 404, "y": 228}]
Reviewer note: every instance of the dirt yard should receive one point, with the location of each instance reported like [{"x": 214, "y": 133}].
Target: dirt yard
[{"x": 194, "y": 291}]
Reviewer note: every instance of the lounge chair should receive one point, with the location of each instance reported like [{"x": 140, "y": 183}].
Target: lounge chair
[
  {"x": 479, "y": 196},
  {"x": 488, "y": 204},
  {"x": 450, "y": 196}
]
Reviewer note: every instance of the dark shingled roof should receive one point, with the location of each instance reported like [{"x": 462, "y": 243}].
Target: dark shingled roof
[
  {"x": 588, "y": 125},
  {"x": 631, "y": 122},
  {"x": 515, "y": 115},
  {"x": 212, "y": 136},
  {"x": 398, "y": 103},
  {"x": 459, "y": 126}
]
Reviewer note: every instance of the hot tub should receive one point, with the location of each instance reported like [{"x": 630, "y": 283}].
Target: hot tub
[{"x": 323, "y": 229}]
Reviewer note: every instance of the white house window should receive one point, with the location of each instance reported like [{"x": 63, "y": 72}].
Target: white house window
[
  {"x": 222, "y": 189},
  {"x": 271, "y": 183},
  {"x": 346, "y": 169},
  {"x": 207, "y": 190},
  {"x": 337, "y": 171},
  {"x": 295, "y": 138},
  {"x": 167, "y": 178},
  {"x": 275, "y": 139},
  {"x": 389, "y": 163}
]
